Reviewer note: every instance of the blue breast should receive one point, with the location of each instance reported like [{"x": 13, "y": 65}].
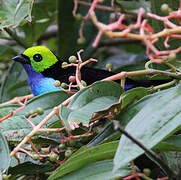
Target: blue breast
[{"x": 38, "y": 83}]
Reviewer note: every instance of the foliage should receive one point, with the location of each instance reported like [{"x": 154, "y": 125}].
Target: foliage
[{"x": 84, "y": 127}]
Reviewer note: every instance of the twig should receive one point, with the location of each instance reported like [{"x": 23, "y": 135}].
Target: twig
[
  {"x": 35, "y": 130},
  {"x": 142, "y": 72},
  {"x": 17, "y": 100},
  {"x": 167, "y": 169},
  {"x": 16, "y": 38}
]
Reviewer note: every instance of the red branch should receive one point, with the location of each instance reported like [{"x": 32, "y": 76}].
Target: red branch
[{"x": 15, "y": 111}]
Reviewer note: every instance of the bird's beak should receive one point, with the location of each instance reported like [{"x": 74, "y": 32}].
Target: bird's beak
[{"x": 22, "y": 59}]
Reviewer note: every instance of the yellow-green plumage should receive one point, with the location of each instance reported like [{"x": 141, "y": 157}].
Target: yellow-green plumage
[{"x": 48, "y": 58}]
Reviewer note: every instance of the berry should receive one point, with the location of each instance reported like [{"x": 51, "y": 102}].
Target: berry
[
  {"x": 57, "y": 83},
  {"x": 109, "y": 66},
  {"x": 53, "y": 157},
  {"x": 172, "y": 56},
  {"x": 165, "y": 8},
  {"x": 5, "y": 177},
  {"x": 72, "y": 79},
  {"x": 71, "y": 143},
  {"x": 68, "y": 153},
  {"x": 64, "y": 85},
  {"x": 72, "y": 59},
  {"x": 83, "y": 83},
  {"x": 61, "y": 146},
  {"x": 64, "y": 64},
  {"x": 39, "y": 111},
  {"x": 147, "y": 171},
  {"x": 81, "y": 41},
  {"x": 79, "y": 17},
  {"x": 35, "y": 157}
]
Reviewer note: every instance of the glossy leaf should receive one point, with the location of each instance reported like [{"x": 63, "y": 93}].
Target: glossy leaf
[
  {"x": 85, "y": 156},
  {"x": 151, "y": 119},
  {"x": 4, "y": 153},
  {"x": 173, "y": 143},
  {"x": 13, "y": 13},
  {"x": 14, "y": 84},
  {"x": 16, "y": 126},
  {"x": 97, "y": 97},
  {"x": 43, "y": 14},
  {"x": 28, "y": 167},
  {"x": 131, "y": 95},
  {"x": 101, "y": 170}
]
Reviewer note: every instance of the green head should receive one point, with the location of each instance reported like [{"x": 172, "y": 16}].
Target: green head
[{"x": 40, "y": 58}]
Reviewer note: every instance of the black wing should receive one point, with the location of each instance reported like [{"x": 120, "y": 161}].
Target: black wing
[{"x": 91, "y": 75}]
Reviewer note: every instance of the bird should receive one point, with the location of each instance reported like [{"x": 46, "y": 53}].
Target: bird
[{"x": 43, "y": 68}]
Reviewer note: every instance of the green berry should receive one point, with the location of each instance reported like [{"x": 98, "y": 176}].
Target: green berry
[
  {"x": 61, "y": 146},
  {"x": 64, "y": 64},
  {"x": 83, "y": 83},
  {"x": 39, "y": 111},
  {"x": 31, "y": 112},
  {"x": 35, "y": 157},
  {"x": 53, "y": 157},
  {"x": 165, "y": 8},
  {"x": 79, "y": 17},
  {"x": 71, "y": 143},
  {"x": 2, "y": 66},
  {"x": 57, "y": 83},
  {"x": 5, "y": 177},
  {"x": 81, "y": 41},
  {"x": 172, "y": 56},
  {"x": 64, "y": 85},
  {"x": 109, "y": 66},
  {"x": 147, "y": 171},
  {"x": 68, "y": 153},
  {"x": 72, "y": 59}
]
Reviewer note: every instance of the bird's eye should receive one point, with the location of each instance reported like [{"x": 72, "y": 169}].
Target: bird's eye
[{"x": 37, "y": 57}]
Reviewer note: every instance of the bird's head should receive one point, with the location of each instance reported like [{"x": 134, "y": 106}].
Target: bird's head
[{"x": 39, "y": 57}]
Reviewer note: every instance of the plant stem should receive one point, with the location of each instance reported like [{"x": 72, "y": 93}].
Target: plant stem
[
  {"x": 16, "y": 38},
  {"x": 162, "y": 86},
  {"x": 142, "y": 72},
  {"x": 167, "y": 169}
]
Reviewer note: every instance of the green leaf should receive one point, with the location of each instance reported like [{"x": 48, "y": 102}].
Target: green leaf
[
  {"x": 4, "y": 153},
  {"x": 16, "y": 126},
  {"x": 108, "y": 130},
  {"x": 28, "y": 167},
  {"x": 151, "y": 119},
  {"x": 43, "y": 13},
  {"x": 14, "y": 83},
  {"x": 130, "y": 5},
  {"x": 101, "y": 170},
  {"x": 131, "y": 95},
  {"x": 172, "y": 143},
  {"x": 13, "y": 13},
  {"x": 99, "y": 96},
  {"x": 85, "y": 156},
  {"x": 127, "y": 97}
]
